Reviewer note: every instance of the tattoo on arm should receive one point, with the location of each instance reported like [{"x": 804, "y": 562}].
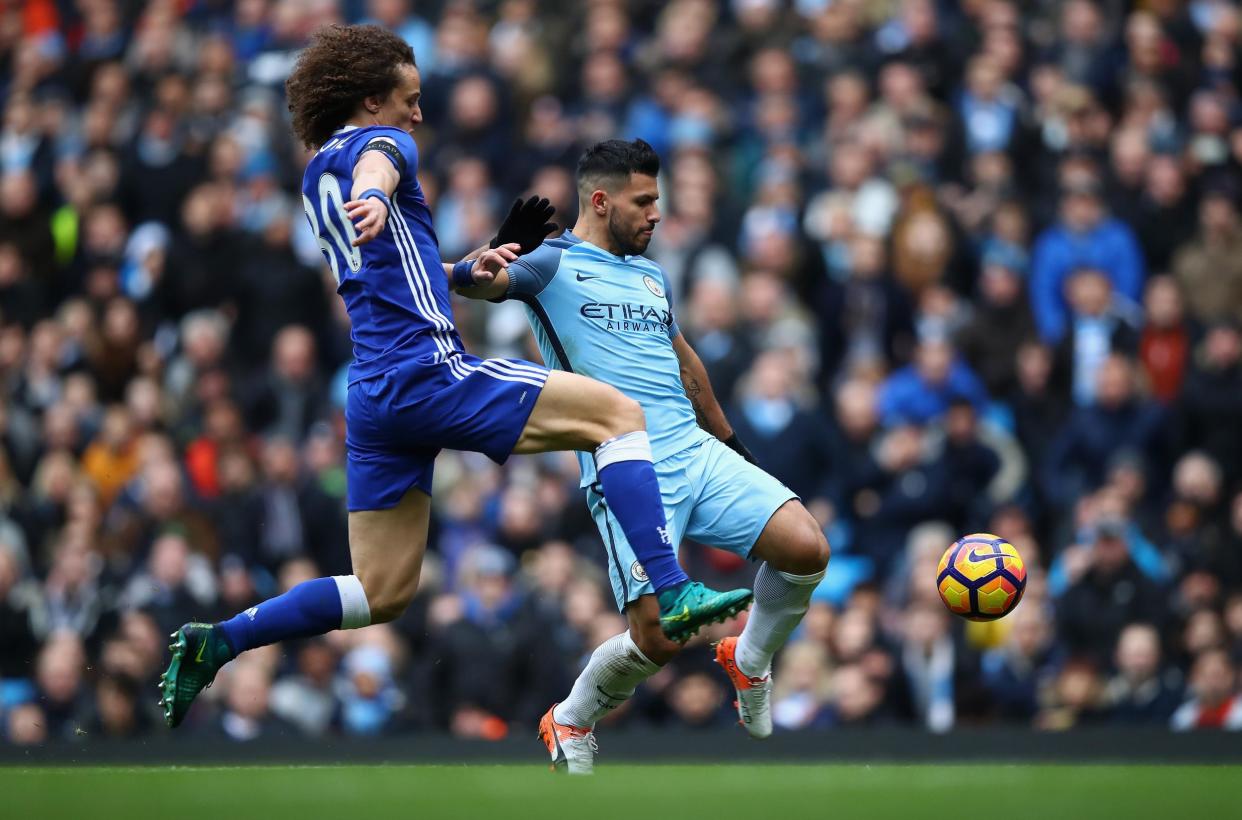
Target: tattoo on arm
[{"x": 692, "y": 392}]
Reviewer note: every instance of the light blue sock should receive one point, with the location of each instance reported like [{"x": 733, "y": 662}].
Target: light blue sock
[
  {"x": 631, "y": 490},
  {"x": 310, "y": 608}
]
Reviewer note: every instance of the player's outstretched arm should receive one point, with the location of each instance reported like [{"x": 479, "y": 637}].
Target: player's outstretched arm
[
  {"x": 375, "y": 178},
  {"x": 485, "y": 276},
  {"x": 698, "y": 388}
]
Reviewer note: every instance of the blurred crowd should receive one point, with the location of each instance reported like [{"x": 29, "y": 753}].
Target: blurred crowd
[{"x": 952, "y": 266}]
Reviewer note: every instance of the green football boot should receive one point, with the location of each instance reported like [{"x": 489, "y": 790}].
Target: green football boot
[
  {"x": 198, "y": 652},
  {"x": 687, "y": 607}
]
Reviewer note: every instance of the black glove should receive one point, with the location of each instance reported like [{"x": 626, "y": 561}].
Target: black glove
[
  {"x": 735, "y": 444},
  {"x": 527, "y": 224}
]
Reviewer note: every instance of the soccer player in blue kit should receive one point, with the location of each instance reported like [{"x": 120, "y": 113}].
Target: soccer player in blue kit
[
  {"x": 599, "y": 308},
  {"x": 354, "y": 95}
]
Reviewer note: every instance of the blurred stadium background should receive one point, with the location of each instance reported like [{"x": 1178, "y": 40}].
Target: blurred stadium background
[{"x": 952, "y": 266}]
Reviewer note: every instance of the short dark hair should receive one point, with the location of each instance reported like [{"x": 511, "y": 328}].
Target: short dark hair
[
  {"x": 342, "y": 66},
  {"x": 611, "y": 162}
]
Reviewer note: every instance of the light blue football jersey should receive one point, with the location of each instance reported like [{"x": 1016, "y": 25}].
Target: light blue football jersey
[{"x": 610, "y": 318}]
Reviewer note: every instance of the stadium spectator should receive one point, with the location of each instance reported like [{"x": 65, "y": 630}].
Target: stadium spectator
[
  {"x": 307, "y": 699},
  {"x": 1085, "y": 237},
  {"x": 1002, "y": 320},
  {"x": 1142, "y": 691},
  {"x": 1100, "y": 324},
  {"x": 1118, "y": 420},
  {"x": 245, "y": 714},
  {"x": 921, "y": 392},
  {"x": 1017, "y": 673},
  {"x": 1107, "y": 592},
  {"x": 788, "y": 438},
  {"x": 1215, "y": 703},
  {"x": 800, "y": 697},
  {"x": 1207, "y": 268}
]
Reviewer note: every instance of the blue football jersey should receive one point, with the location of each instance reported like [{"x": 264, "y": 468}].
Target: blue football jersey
[
  {"x": 610, "y": 318},
  {"x": 394, "y": 286}
]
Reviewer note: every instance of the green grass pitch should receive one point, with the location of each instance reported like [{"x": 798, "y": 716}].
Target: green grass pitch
[{"x": 625, "y": 792}]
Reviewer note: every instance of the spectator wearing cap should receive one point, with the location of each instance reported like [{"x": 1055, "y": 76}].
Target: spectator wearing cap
[
  {"x": 1002, "y": 319},
  {"x": 1084, "y": 236},
  {"x": 1209, "y": 268}
]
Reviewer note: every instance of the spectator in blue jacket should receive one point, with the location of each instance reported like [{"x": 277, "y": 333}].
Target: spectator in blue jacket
[
  {"x": 1119, "y": 421},
  {"x": 922, "y": 392},
  {"x": 1086, "y": 236}
]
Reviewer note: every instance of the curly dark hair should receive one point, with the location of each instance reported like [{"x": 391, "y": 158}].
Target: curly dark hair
[{"x": 342, "y": 66}]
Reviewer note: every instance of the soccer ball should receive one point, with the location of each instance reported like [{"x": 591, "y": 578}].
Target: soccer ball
[{"x": 981, "y": 577}]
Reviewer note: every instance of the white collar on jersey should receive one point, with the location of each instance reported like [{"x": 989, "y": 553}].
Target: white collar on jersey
[{"x": 345, "y": 128}]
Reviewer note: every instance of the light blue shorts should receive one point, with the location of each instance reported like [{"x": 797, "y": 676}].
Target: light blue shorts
[{"x": 711, "y": 495}]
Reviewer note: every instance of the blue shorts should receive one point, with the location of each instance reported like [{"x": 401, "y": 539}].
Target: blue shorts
[
  {"x": 396, "y": 422},
  {"x": 711, "y": 495}
]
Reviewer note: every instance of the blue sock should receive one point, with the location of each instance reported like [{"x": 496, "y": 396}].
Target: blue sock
[
  {"x": 631, "y": 490},
  {"x": 310, "y": 608}
]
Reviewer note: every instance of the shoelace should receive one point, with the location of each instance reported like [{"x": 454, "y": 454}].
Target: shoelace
[{"x": 589, "y": 737}]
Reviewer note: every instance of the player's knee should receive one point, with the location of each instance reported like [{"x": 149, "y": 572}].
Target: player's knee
[
  {"x": 807, "y": 550},
  {"x": 623, "y": 415},
  {"x": 387, "y": 600}
]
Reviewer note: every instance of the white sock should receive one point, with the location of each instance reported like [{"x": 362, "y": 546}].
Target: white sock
[
  {"x": 616, "y": 668},
  {"x": 355, "y": 611},
  {"x": 781, "y": 599}
]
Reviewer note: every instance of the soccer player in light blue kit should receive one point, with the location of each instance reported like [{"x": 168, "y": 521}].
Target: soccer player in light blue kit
[
  {"x": 354, "y": 95},
  {"x": 600, "y": 309}
]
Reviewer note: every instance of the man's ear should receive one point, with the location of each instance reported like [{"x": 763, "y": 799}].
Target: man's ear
[
  {"x": 599, "y": 201},
  {"x": 372, "y": 104}
]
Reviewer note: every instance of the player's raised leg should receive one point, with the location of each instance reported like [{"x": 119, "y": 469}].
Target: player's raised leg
[
  {"x": 387, "y": 549},
  {"x": 795, "y": 556},
  {"x": 577, "y": 413}
]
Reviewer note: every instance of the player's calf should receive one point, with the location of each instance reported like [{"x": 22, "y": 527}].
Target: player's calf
[
  {"x": 795, "y": 557},
  {"x": 647, "y": 633}
]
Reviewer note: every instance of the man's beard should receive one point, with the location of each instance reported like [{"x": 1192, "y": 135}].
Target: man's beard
[{"x": 628, "y": 243}]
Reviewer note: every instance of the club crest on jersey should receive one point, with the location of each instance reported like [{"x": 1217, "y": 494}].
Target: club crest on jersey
[
  {"x": 654, "y": 286},
  {"x": 640, "y": 574}
]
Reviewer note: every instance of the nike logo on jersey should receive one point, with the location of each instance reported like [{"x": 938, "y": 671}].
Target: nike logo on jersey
[{"x": 583, "y": 278}]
